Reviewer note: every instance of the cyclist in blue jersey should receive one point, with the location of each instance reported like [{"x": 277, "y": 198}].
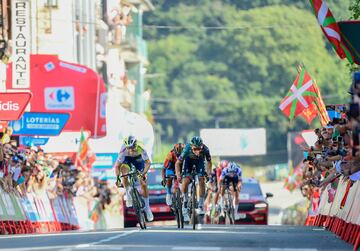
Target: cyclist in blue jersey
[
  {"x": 133, "y": 153},
  {"x": 194, "y": 154},
  {"x": 231, "y": 175}
]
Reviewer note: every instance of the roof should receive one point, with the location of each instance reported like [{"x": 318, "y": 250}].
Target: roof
[{"x": 250, "y": 180}]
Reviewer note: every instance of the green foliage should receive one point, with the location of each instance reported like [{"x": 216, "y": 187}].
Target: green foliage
[
  {"x": 237, "y": 74},
  {"x": 355, "y": 8}
]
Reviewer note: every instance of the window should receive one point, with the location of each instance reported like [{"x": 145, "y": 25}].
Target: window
[
  {"x": 253, "y": 189},
  {"x": 51, "y": 4}
]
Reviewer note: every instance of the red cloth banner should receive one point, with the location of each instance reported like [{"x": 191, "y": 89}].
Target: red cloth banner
[{"x": 59, "y": 86}]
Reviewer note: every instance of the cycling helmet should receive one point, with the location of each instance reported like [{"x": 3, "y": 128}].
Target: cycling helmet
[
  {"x": 232, "y": 167},
  {"x": 196, "y": 141},
  {"x": 178, "y": 148},
  {"x": 130, "y": 142},
  {"x": 224, "y": 163}
]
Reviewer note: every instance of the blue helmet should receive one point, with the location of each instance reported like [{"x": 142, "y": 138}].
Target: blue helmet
[{"x": 196, "y": 141}]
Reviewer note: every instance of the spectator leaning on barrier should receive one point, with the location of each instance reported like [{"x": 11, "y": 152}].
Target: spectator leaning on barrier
[{"x": 30, "y": 170}]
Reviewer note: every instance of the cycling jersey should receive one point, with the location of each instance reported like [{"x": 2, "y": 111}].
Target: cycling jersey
[
  {"x": 137, "y": 157},
  {"x": 226, "y": 173},
  {"x": 190, "y": 160},
  {"x": 169, "y": 164},
  {"x": 188, "y": 153},
  {"x": 170, "y": 160}
]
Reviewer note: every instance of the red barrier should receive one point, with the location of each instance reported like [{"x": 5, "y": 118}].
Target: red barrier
[
  {"x": 35, "y": 221},
  {"x": 340, "y": 216}
]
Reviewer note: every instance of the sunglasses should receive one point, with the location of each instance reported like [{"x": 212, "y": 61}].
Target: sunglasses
[{"x": 196, "y": 148}]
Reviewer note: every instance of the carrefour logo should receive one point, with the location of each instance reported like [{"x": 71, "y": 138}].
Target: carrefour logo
[{"x": 59, "y": 98}]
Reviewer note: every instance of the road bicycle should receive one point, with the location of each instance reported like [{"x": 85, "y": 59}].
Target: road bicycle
[
  {"x": 177, "y": 204},
  {"x": 229, "y": 206},
  {"x": 138, "y": 202},
  {"x": 193, "y": 203}
]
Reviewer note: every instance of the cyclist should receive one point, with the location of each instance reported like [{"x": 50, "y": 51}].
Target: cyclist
[
  {"x": 214, "y": 184},
  {"x": 194, "y": 153},
  {"x": 132, "y": 153},
  {"x": 232, "y": 174},
  {"x": 168, "y": 172}
]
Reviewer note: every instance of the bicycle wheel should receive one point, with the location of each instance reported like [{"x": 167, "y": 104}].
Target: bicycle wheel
[
  {"x": 231, "y": 209},
  {"x": 193, "y": 198},
  {"x": 179, "y": 207},
  {"x": 137, "y": 205}
]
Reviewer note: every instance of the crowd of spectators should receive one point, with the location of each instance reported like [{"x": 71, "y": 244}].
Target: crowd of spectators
[
  {"x": 29, "y": 169},
  {"x": 336, "y": 152}
]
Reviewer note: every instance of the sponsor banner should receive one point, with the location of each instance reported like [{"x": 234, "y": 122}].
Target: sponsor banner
[
  {"x": 31, "y": 141},
  {"x": 105, "y": 160},
  {"x": 36, "y": 123},
  {"x": 59, "y": 98},
  {"x": 20, "y": 28},
  {"x": 13, "y": 104},
  {"x": 10, "y": 207},
  {"x": 60, "y": 86},
  {"x": 29, "y": 209},
  {"x": 58, "y": 209},
  {"x": 235, "y": 142},
  {"x": 104, "y": 174}
]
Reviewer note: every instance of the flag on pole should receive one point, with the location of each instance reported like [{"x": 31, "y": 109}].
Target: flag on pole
[
  {"x": 330, "y": 28},
  {"x": 310, "y": 113},
  {"x": 300, "y": 96},
  {"x": 293, "y": 180},
  {"x": 85, "y": 157},
  {"x": 84, "y": 146},
  {"x": 319, "y": 102}
]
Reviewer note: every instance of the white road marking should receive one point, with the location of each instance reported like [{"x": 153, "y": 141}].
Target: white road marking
[
  {"x": 114, "y": 237},
  {"x": 198, "y": 232},
  {"x": 60, "y": 234},
  {"x": 82, "y": 246},
  {"x": 197, "y": 248},
  {"x": 293, "y": 249},
  {"x": 318, "y": 229},
  {"x": 93, "y": 244}
]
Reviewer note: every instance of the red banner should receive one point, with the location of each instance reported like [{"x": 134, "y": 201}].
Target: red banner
[
  {"x": 59, "y": 86},
  {"x": 13, "y": 104}
]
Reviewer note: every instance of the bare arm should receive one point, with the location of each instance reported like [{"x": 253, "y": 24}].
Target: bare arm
[
  {"x": 209, "y": 166},
  {"x": 147, "y": 166},
  {"x": 178, "y": 167}
]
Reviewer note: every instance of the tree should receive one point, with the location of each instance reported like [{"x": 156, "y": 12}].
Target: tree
[{"x": 238, "y": 73}]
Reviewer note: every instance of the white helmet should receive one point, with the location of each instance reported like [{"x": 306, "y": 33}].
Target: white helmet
[{"x": 232, "y": 167}]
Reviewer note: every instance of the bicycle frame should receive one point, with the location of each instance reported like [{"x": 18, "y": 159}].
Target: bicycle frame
[
  {"x": 193, "y": 204},
  {"x": 138, "y": 202},
  {"x": 229, "y": 207}
]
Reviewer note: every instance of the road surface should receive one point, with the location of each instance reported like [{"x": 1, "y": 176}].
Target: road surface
[{"x": 206, "y": 238}]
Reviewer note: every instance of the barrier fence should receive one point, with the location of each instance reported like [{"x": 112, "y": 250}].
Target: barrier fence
[
  {"x": 339, "y": 213},
  {"x": 37, "y": 213}
]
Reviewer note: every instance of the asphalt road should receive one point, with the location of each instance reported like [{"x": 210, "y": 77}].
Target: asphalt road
[{"x": 206, "y": 238}]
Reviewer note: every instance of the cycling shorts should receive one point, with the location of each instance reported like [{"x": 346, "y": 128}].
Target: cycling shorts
[
  {"x": 169, "y": 173},
  {"x": 227, "y": 181},
  {"x": 138, "y": 162},
  {"x": 189, "y": 165}
]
